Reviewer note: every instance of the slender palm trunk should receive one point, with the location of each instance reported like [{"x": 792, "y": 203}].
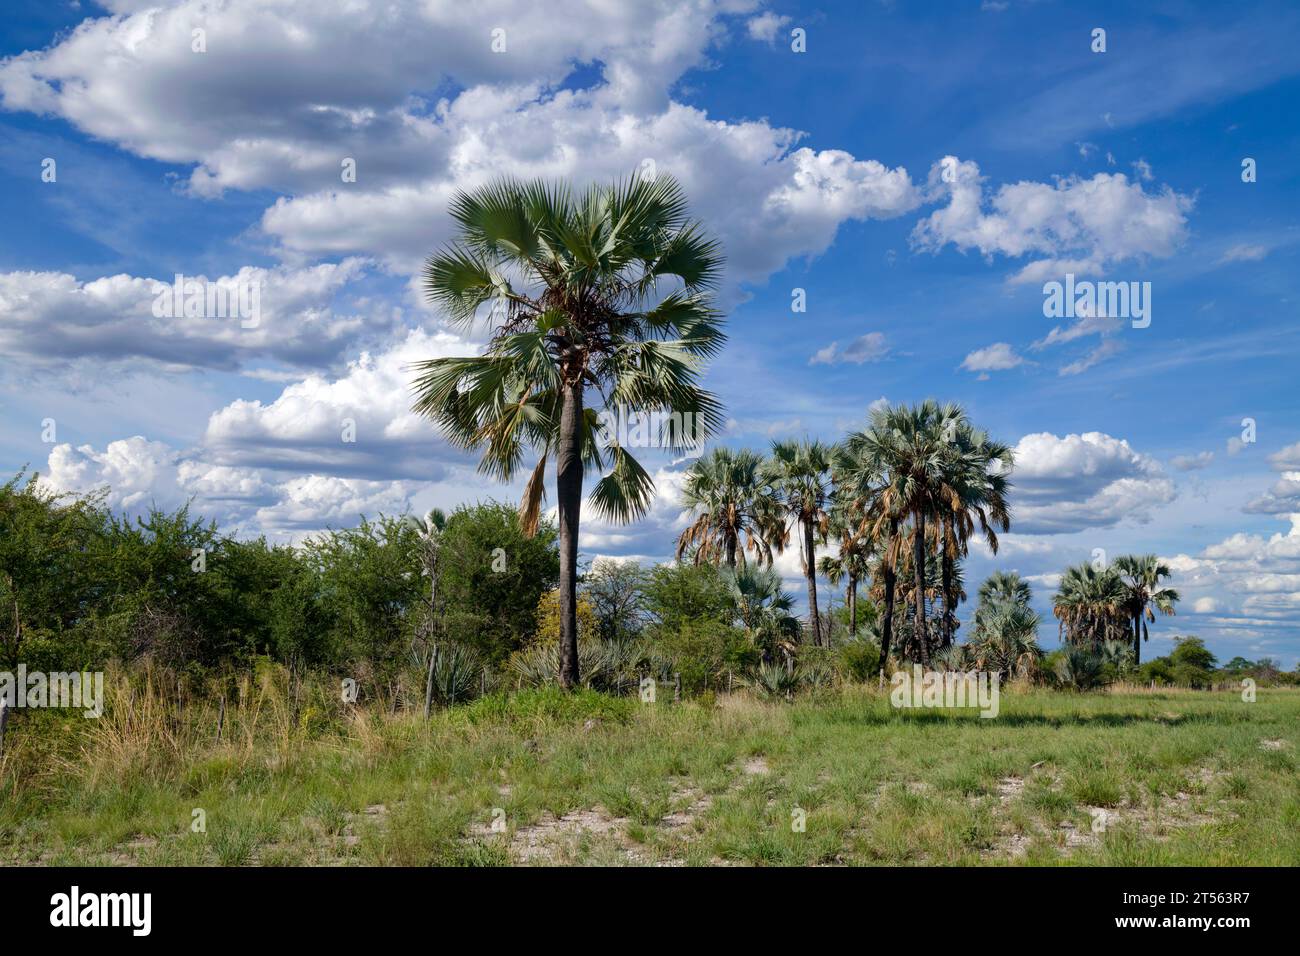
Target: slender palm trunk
[
  {"x": 945, "y": 627},
  {"x": 918, "y": 577},
  {"x": 810, "y": 572},
  {"x": 887, "y": 628},
  {"x": 853, "y": 605},
  {"x": 568, "y": 494},
  {"x": 731, "y": 550},
  {"x": 1137, "y": 638}
]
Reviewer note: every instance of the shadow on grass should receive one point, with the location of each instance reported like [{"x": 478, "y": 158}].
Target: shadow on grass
[{"x": 903, "y": 716}]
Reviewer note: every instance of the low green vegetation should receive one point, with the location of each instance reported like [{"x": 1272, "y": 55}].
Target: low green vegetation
[{"x": 1127, "y": 777}]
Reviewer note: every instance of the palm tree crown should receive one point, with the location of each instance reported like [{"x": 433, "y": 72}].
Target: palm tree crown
[
  {"x": 1090, "y": 605},
  {"x": 731, "y": 498},
  {"x": 1142, "y": 576}
]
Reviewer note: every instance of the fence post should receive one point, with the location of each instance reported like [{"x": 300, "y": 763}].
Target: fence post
[
  {"x": 221, "y": 717},
  {"x": 677, "y": 688}
]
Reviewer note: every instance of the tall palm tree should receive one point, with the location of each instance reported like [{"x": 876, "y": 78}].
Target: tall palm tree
[
  {"x": 1142, "y": 575},
  {"x": 906, "y": 447},
  {"x": 976, "y": 470},
  {"x": 573, "y": 290},
  {"x": 859, "y": 481},
  {"x": 904, "y": 633},
  {"x": 800, "y": 476},
  {"x": 852, "y": 564},
  {"x": 857, "y": 544},
  {"x": 731, "y": 498},
  {"x": 1090, "y": 606}
]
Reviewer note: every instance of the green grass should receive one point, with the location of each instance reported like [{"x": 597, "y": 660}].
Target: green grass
[{"x": 1183, "y": 778}]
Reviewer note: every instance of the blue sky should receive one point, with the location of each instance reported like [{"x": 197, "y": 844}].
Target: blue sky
[{"x": 821, "y": 171}]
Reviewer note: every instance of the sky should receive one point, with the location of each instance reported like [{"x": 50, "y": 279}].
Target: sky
[{"x": 895, "y": 185}]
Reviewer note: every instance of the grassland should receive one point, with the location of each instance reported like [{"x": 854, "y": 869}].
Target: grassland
[{"x": 1123, "y": 778}]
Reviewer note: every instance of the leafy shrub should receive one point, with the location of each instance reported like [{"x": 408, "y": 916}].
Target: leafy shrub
[
  {"x": 677, "y": 593},
  {"x": 457, "y": 673},
  {"x": 702, "y": 651},
  {"x": 1078, "y": 668},
  {"x": 772, "y": 681},
  {"x": 602, "y": 665},
  {"x": 817, "y": 668},
  {"x": 954, "y": 657},
  {"x": 859, "y": 660}
]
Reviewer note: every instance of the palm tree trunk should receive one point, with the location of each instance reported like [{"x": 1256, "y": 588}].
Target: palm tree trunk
[
  {"x": 1137, "y": 638},
  {"x": 810, "y": 572},
  {"x": 918, "y": 574},
  {"x": 853, "y": 605},
  {"x": 945, "y": 627},
  {"x": 731, "y": 551},
  {"x": 568, "y": 494},
  {"x": 887, "y": 628}
]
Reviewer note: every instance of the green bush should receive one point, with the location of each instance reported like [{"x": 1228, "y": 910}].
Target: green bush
[
  {"x": 702, "y": 651},
  {"x": 859, "y": 660},
  {"x": 1078, "y": 668}
]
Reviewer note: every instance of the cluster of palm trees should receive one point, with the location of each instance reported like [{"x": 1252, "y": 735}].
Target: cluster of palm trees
[
  {"x": 604, "y": 300},
  {"x": 900, "y": 499},
  {"x": 1097, "y": 604}
]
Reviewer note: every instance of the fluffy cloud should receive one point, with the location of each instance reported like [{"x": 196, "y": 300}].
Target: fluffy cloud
[
  {"x": 765, "y": 199},
  {"x": 51, "y": 319},
  {"x": 1192, "y": 462},
  {"x": 267, "y": 107},
  {"x": 992, "y": 358},
  {"x": 1083, "y": 481},
  {"x": 135, "y": 474},
  {"x": 865, "y": 348},
  {"x": 359, "y": 425},
  {"x": 1288, "y": 459},
  {"x": 764, "y": 27},
  {"x": 313, "y": 502},
  {"x": 1282, "y": 498},
  {"x": 1250, "y": 580},
  {"x": 1073, "y": 225}
]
